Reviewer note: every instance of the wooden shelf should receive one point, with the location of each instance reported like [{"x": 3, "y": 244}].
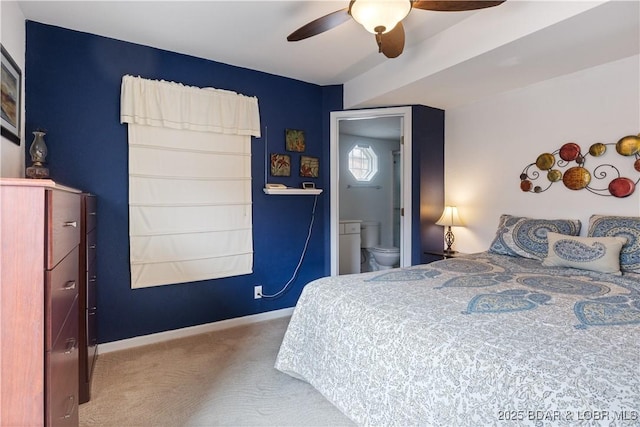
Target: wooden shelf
[{"x": 292, "y": 191}]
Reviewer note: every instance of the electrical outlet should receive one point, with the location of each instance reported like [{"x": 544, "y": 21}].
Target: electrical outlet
[{"x": 257, "y": 292}]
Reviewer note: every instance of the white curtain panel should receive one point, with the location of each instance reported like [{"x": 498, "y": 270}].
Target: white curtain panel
[{"x": 189, "y": 182}]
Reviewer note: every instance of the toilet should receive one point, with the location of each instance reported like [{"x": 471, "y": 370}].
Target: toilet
[
  {"x": 374, "y": 256},
  {"x": 385, "y": 257}
]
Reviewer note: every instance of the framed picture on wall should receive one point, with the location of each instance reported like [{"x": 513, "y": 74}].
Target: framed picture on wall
[
  {"x": 280, "y": 165},
  {"x": 309, "y": 166},
  {"x": 11, "y": 100},
  {"x": 294, "y": 140}
]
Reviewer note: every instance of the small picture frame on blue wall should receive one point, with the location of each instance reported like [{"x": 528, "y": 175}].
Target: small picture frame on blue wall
[
  {"x": 11, "y": 98},
  {"x": 309, "y": 166},
  {"x": 280, "y": 165},
  {"x": 294, "y": 140}
]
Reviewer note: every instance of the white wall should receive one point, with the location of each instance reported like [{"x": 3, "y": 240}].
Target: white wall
[
  {"x": 13, "y": 37},
  {"x": 489, "y": 143}
]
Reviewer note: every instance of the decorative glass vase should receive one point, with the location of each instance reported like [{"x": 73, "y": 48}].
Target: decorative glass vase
[{"x": 38, "y": 151}]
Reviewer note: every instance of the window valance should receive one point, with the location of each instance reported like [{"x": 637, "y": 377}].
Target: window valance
[{"x": 176, "y": 106}]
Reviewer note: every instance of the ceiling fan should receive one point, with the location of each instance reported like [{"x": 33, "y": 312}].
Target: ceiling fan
[{"x": 384, "y": 19}]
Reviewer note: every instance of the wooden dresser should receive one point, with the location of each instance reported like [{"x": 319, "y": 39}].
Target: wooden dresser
[
  {"x": 40, "y": 234},
  {"x": 87, "y": 304}
]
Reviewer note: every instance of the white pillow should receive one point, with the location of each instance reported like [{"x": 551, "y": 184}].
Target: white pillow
[{"x": 600, "y": 254}]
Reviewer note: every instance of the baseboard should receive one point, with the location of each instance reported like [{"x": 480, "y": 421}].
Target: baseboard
[{"x": 191, "y": 330}]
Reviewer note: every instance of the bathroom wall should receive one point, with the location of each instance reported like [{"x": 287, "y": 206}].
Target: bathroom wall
[{"x": 364, "y": 200}]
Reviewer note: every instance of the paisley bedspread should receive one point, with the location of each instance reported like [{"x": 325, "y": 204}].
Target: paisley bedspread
[{"x": 476, "y": 341}]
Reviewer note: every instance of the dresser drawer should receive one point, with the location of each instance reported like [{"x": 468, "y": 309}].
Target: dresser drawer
[
  {"x": 61, "y": 370},
  {"x": 92, "y": 246},
  {"x": 63, "y": 225},
  {"x": 61, "y": 289},
  {"x": 91, "y": 210},
  {"x": 92, "y": 339},
  {"x": 92, "y": 283}
]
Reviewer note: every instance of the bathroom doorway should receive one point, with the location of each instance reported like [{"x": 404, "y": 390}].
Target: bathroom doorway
[{"x": 370, "y": 170}]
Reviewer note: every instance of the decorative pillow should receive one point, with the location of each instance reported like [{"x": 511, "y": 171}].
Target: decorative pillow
[
  {"x": 587, "y": 253},
  {"x": 527, "y": 237},
  {"x": 623, "y": 226}
]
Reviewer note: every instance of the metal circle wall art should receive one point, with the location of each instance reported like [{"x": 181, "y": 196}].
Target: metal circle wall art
[
  {"x": 621, "y": 187},
  {"x": 597, "y": 149},
  {"x": 569, "y": 152},
  {"x": 605, "y": 179},
  {"x": 545, "y": 161},
  {"x": 576, "y": 178},
  {"x": 628, "y": 146}
]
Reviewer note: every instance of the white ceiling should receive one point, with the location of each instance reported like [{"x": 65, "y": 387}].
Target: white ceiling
[{"x": 450, "y": 58}]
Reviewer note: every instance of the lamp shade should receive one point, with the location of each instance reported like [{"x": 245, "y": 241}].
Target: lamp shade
[
  {"x": 450, "y": 217},
  {"x": 380, "y": 15}
]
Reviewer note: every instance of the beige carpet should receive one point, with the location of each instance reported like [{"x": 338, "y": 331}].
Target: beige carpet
[{"x": 223, "y": 378}]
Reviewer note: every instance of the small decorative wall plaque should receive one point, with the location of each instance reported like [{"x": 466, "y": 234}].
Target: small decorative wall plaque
[
  {"x": 604, "y": 179},
  {"x": 280, "y": 165},
  {"x": 294, "y": 140},
  {"x": 309, "y": 166}
]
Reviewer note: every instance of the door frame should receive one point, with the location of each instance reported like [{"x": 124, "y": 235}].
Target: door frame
[{"x": 405, "y": 188}]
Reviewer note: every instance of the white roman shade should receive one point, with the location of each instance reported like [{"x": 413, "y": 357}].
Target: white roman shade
[{"x": 189, "y": 181}]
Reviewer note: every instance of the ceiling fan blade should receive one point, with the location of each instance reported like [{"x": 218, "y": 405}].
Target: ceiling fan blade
[
  {"x": 391, "y": 44},
  {"x": 320, "y": 25},
  {"x": 454, "y": 5}
]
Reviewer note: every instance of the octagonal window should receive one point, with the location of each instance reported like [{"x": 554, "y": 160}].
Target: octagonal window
[{"x": 363, "y": 162}]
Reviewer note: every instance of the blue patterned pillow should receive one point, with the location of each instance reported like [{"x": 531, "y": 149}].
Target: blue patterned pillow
[
  {"x": 527, "y": 237},
  {"x": 623, "y": 226},
  {"x": 587, "y": 253}
]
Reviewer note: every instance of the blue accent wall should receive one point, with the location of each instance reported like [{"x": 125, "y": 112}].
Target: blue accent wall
[
  {"x": 428, "y": 172},
  {"x": 73, "y": 91}
]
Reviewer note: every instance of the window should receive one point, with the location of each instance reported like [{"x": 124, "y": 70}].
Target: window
[
  {"x": 190, "y": 215},
  {"x": 363, "y": 162}
]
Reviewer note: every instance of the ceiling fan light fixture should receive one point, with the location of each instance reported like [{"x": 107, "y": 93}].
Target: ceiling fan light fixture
[{"x": 379, "y": 16}]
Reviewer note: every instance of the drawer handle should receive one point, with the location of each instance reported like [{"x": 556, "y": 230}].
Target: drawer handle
[
  {"x": 93, "y": 213},
  {"x": 69, "y": 286},
  {"x": 92, "y": 312},
  {"x": 93, "y": 278},
  {"x": 92, "y": 246},
  {"x": 71, "y": 345},
  {"x": 73, "y": 224},
  {"x": 71, "y": 408}
]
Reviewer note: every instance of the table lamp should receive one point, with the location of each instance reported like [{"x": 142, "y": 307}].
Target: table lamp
[{"x": 449, "y": 218}]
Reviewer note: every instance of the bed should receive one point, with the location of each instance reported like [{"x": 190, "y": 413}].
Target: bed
[{"x": 486, "y": 339}]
